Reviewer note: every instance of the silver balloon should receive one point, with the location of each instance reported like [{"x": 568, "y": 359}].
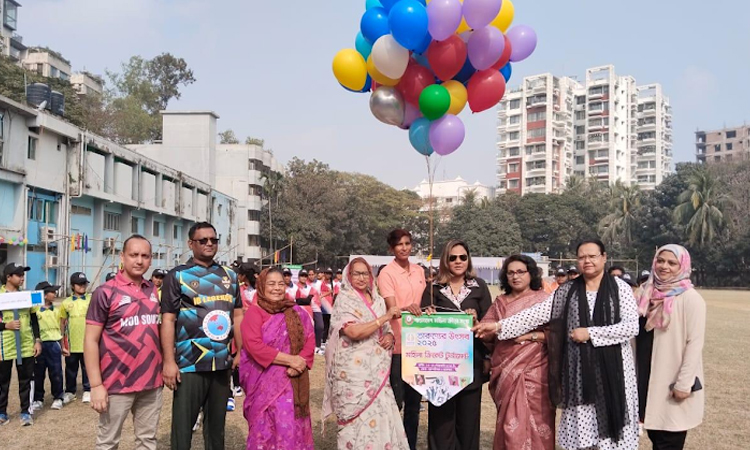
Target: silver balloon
[{"x": 388, "y": 106}]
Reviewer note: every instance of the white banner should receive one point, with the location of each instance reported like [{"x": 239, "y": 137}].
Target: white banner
[{"x": 21, "y": 300}]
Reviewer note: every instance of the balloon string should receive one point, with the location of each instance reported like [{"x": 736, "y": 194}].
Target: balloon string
[{"x": 431, "y": 179}]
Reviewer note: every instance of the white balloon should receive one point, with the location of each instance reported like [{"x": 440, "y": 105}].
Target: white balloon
[{"x": 389, "y": 57}]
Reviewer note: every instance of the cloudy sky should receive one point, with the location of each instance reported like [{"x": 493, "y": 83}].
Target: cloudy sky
[{"x": 265, "y": 67}]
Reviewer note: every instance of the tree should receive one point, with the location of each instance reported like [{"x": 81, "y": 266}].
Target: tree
[
  {"x": 254, "y": 141},
  {"x": 490, "y": 231},
  {"x": 228, "y": 137},
  {"x": 617, "y": 226},
  {"x": 700, "y": 208}
]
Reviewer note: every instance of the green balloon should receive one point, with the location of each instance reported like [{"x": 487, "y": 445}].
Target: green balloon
[{"x": 434, "y": 101}]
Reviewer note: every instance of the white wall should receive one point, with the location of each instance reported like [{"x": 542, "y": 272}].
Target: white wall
[
  {"x": 94, "y": 179},
  {"x": 148, "y": 189},
  {"x": 123, "y": 180}
]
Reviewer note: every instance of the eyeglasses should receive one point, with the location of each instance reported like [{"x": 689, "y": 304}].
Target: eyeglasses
[
  {"x": 205, "y": 241},
  {"x": 360, "y": 274},
  {"x": 585, "y": 258},
  {"x": 452, "y": 258},
  {"x": 518, "y": 273}
]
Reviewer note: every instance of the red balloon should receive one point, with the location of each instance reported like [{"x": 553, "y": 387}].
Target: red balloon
[
  {"x": 447, "y": 57},
  {"x": 505, "y": 57},
  {"x": 486, "y": 89},
  {"x": 413, "y": 81}
]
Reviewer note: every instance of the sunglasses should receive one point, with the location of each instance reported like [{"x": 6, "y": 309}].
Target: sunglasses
[
  {"x": 204, "y": 241},
  {"x": 464, "y": 257}
]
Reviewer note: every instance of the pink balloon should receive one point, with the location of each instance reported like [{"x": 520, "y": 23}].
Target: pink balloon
[
  {"x": 486, "y": 89},
  {"x": 480, "y": 13},
  {"x": 486, "y": 45},
  {"x": 447, "y": 57},
  {"x": 415, "y": 79},
  {"x": 447, "y": 134},
  {"x": 411, "y": 114}
]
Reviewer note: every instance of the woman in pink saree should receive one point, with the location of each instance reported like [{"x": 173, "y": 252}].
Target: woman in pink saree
[
  {"x": 358, "y": 363},
  {"x": 278, "y": 341},
  {"x": 519, "y": 369}
]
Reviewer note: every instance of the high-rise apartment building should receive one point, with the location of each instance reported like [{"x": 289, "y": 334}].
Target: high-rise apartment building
[{"x": 724, "y": 145}]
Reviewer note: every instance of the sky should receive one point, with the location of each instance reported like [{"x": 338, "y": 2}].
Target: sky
[{"x": 265, "y": 67}]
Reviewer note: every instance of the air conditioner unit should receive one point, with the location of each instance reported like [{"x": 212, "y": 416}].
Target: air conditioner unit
[
  {"x": 52, "y": 261},
  {"x": 47, "y": 234}
]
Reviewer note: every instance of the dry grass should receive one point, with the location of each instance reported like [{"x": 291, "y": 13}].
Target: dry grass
[{"x": 726, "y": 425}]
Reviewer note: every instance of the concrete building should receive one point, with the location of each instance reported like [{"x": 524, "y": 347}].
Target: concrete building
[
  {"x": 606, "y": 128},
  {"x": 11, "y": 43},
  {"x": 68, "y": 199},
  {"x": 724, "y": 145},
  {"x": 47, "y": 63},
  {"x": 449, "y": 193},
  {"x": 87, "y": 83},
  {"x": 189, "y": 145}
]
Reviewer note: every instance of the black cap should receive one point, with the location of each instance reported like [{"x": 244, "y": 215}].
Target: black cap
[
  {"x": 159, "y": 273},
  {"x": 14, "y": 269},
  {"x": 46, "y": 287},
  {"x": 286, "y": 272},
  {"x": 329, "y": 270},
  {"x": 79, "y": 278},
  {"x": 561, "y": 271},
  {"x": 572, "y": 269},
  {"x": 339, "y": 271},
  {"x": 110, "y": 276},
  {"x": 302, "y": 273}
]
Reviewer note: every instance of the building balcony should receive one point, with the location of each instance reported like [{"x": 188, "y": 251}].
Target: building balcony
[
  {"x": 596, "y": 112},
  {"x": 535, "y": 172},
  {"x": 540, "y": 156},
  {"x": 598, "y": 144},
  {"x": 647, "y": 126},
  {"x": 648, "y": 112},
  {"x": 536, "y": 102}
]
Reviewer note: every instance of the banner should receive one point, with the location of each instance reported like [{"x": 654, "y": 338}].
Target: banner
[
  {"x": 21, "y": 300},
  {"x": 437, "y": 354}
]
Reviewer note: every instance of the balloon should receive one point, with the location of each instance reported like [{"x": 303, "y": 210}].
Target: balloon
[
  {"x": 421, "y": 59},
  {"x": 387, "y": 105},
  {"x": 466, "y": 72},
  {"x": 447, "y": 134},
  {"x": 390, "y": 58},
  {"x": 485, "y": 47},
  {"x": 504, "y": 17},
  {"x": 374, "y": 24},
  {"x": 486, "y": 88},
  {"x": 447, "y": 57},
  {"x": 479, "y": 13},
  {"x": 388, "y": 4},
  {"x": 411, "y": 113},
  {"x": 350, "y": 69},
  {"x": 372, "y": 4},
  {"x": 408, "y": 21},
  {"x": 458, "y": 94},
  {"x": 419, "y": 136},
  {"x": 523, "y": 41},
  {"x": 505, "y": 57},
  {"x": 445, "y": 17},
  {"x": 424, "y": 45},
  {"x": 378, "y": 77},
  {"x": 367, "y": 88},
  {"x": 507, "y": 70},
  {"x": 363, "y": 47},
  {"x": 435, "y": 101},
  {"x": 413, "y": 82},
  {"x": 465, "y": 36}
]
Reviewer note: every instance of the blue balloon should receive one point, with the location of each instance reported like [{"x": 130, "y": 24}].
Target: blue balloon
[
  {"x": 363, "y": 47},
  {"x": 388, "y": 4},
  {"x": 374, "y": 24},
  {"x": 507, "y": 70},
  {"x": 408, "y": 21},
  {"x": 419, "y": 136},
  {"x": 466, "y": 72},
  {"x": 422, "y": 60},
  {"x": 367, "y": 88},
  {"x": 421, "y": 48},
  {"x": 373, "y": 4}
]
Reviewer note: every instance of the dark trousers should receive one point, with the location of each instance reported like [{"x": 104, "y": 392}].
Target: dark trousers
[
  {"x": 72, "y": 363},
  {"x": 326, "y": 326},
  {"x": 407, "y": 399},
  {"x": 667, "y": 440},
  {"x": 207, "y": 390},
  {"x": 25, "y": 375},
  {"x": 49, "y": 361},
  {"x": 455, "y": 424},
  {"x": 318, "y": 322}
]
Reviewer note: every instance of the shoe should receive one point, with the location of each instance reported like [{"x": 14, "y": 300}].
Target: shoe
[
  {"x": 86, "y": 397},
  {"x": 4, "y": 420},
  {"x": 237, "y": 391},
  {"x": 198, "y": 422},
  {"x": 57, "y": 404},
  {"x": 230, "y": 404},
  {"x": 68, "y": 397},
  {"x": 320, "y": 351},
  {"x": 26, "y": 420},
  {"x": 36, "y": 406}
]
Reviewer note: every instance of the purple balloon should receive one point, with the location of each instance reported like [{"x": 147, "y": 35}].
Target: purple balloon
[
  {"x": 447, "y": 134},
  {"x": 411, "y": 114},
  {"x": 523, "y": 42},
  {"x": 480, "y": 13},
  {"x": 444, "y": 18},
  {"x": 486, "y": 46}
]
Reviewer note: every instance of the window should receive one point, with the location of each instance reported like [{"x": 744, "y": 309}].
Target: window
[
  {"x": 31, "y": 153},
  {"x": 513, "y": 168},
  {"x": 515, "y": 104},
  {"x": 580, "y": 100},
  {"x": 537, "y": 132},
  {"x": 580, "y": 145},
  {"x": 731, "y": 134},
  {"x": 536, "y": 165},
  {"x": 514, "y": 151},
  {"x": 580, "y": 159},
  {"x": 10, "y": 19},
  {"x": 253, "y": 240},
  {"x": 254, "y": 189},
  {"x": 54, "y": 72},
  {"x": 255, "y": 164},
  {"x": 729, "y": 146},
  {"x": 580, "y": 129},
  {"x": 513, "y": 135},
  {"x": 175, "y": 231},
  {"x": 537, "y": 116},
  {"x": 80, "y": 210},
  {"x": 134, "y": 226},
  {"x": 111, "y": 221},
  {"x": 157, "y": 229},
  {"x": 717, "y": 158},
  {"x": 535, "y": 181},
  {"x": 717, "y": 147},
  {"x": 580, "y": 115},
  {"x": 514, "y": 119},
  {"x": 253, "y": 215},
  {"x": 513, "y": 183}
]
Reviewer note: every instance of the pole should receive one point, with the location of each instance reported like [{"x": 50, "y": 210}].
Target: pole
[{"x": 18, "y": 339}]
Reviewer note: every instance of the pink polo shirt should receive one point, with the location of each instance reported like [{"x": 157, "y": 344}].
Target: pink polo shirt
[{"x": 406, "y": 286}]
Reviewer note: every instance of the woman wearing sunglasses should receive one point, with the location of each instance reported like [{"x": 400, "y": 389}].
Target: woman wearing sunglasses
[{"x": 455, "y": 424}]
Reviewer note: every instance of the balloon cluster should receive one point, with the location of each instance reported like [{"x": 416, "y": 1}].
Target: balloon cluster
[
  {"x": 14, "y": 241},
  {"x": 424, "y": 60}
]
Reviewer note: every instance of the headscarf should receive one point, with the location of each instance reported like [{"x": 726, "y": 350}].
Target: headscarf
[
  {"x": 301, "y": 382},
  {"x": 657, "y": 300}
]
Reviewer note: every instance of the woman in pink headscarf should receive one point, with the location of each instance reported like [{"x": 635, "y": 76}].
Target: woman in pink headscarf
[{"x": 670, "y": 350}]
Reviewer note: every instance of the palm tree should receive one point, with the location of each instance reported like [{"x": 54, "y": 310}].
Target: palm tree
[
  {"x": 618, "y": 224},
  {"x": 701, "y": 207},
  {"x": 272, "y": 185}
]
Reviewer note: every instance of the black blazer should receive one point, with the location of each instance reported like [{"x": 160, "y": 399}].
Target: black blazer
[{"x": 478, "y": 299}]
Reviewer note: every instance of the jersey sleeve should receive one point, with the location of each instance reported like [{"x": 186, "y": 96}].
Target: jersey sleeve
[{"x": 98, "y": 311}]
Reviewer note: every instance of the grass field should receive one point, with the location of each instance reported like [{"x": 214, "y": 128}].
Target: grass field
[{"x": 726, "y": 424}]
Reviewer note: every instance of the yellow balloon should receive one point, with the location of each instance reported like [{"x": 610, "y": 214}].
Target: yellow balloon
[
  {"x": 350, "y": 69},
  {"x": 459, "y": 96},
  {"x": 505, "y": 16},
  {"x": 377, "y": 76},
  {"x": 464, "y": 26}
]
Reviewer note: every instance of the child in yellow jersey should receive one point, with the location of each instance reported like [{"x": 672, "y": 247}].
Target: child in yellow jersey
[
  {"x": 51, "y": 358},
  {"x": 73, "y": 320}
]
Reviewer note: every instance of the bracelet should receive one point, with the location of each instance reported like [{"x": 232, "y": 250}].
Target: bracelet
[
  {"x": 497, "y": 327},
  {"x": 378, "y": 322},
  {"x": 533, "y": 337},
  {"x": 92, "y": 386}
]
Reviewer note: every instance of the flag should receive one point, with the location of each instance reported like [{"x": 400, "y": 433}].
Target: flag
[
  {"x": 276, "y": 257},
  {"x": 86, "y": 243},
  {"x": 429, "y": 257},
  {"x": 72, "y": 242}
]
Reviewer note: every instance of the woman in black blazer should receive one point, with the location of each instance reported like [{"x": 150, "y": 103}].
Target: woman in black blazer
[{"x": 455, "y": 424}]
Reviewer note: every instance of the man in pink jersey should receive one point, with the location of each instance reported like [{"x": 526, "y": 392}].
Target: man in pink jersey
[{"x": 122, "y": 350}]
